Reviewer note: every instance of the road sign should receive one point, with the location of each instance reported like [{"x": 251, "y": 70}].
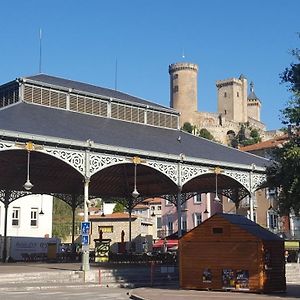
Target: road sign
[
  {"x": 85, "y": 240},
  {"x": 85, "y": 228}
]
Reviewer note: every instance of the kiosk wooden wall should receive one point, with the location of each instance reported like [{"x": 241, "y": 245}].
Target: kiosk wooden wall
[{"x": 231, "y": 252}]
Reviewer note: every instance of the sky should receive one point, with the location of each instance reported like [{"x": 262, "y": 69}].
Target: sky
[{"x": 129, "y": 44}]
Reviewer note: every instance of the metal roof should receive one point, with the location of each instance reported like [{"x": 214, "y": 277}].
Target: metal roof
[
  {"x": 56, "y": 123},
  {"x": 92, "y": 89}
]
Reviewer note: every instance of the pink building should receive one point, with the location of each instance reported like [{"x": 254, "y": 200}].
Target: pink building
[{"x": 194, "y": 211}]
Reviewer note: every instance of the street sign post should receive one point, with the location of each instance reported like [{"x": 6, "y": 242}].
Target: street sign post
[
  {"x": 85, "y": 228},
  {"x": 85, "y": 240}
]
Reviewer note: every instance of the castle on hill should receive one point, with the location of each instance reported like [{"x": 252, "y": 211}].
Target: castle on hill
[{"x": 236, "y": 107}]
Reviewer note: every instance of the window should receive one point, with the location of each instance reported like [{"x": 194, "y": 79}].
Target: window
[
  {"x": 237, "y": 94},
  {"x": 33, "y": 217},
  {"x": 197, "y": 219},
  {"x": 184, "y": 223},
  {"x": 225, "y": 95},
  {"x": 159, "y": 207},
  {"x": 170, "y": 227},
  {"x": 272, "y": 220},
  {"x": 158, "y": 223},
  {"x": 271, "y": 192},
  {"x": 217, "y": 230},
  {"x": 106, "y": 229},
  {"x": 175, "y": 76},
  {"x": 15, "y": 216},
  {"x": 175, "y": 89},
  {"x": 197, "y": 199},
  {"x": 152, "y": 207}
]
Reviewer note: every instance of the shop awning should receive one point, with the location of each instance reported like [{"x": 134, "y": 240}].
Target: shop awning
[{"x": 169, "y": 243}]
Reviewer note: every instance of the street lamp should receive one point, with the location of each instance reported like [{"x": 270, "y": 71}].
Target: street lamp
[
  {"x": 28, "y": 185},
  {"x": 41, "y": 212},
  {"x": 217, "y": 171},
  {"x": 135, "y": 193}
]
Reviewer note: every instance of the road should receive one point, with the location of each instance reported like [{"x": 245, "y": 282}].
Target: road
[{"x": 63, "y": 293}]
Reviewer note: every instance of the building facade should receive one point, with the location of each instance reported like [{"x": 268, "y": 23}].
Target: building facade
[{"x": 29, "y": 216}]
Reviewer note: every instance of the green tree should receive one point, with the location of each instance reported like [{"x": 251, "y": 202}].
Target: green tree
[
  {"x": 206, "y": 134},
  {"x": 188, "y": 127},
  {"x": 119, "y": 207},
  {"x": 253, "y": 139},
  {"x": 285, "y": 171},
  {"x": 62, "y": 219}
]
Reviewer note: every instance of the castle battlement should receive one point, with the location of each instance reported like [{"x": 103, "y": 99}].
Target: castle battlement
[
  {"x": 182, "y": 66},
  {"x": 227, "y": 82}
]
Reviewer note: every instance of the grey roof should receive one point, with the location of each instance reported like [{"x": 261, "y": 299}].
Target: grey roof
[
  {"x": 250, "y": 226},
  {"x": 252, "y": 96},
  {"x": 84, "y": 87},
  {"x": 58, "y": 123}
]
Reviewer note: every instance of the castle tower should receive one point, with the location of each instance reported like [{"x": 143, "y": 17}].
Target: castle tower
[
  {"x": 253, "y": 104},
  {"x": 183, "y": 90},
  {"x": 232, "y": 99}
]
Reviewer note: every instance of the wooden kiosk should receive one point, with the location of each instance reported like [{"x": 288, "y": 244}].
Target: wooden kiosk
[{"x": 230, "y": 252}]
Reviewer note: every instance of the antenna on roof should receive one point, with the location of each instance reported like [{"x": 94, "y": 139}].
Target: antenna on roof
[
  {"x": 183, "y": 55},
  {"x": 40, "y": 58},
  {"x": 116, "y": 74}
]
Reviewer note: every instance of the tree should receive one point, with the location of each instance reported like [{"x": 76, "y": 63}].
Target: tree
[
  {"x": 285, "y": 171},
  {"x": 188, "y": 127},
  {"x": 206, "y": 134},
  {"x": 253, "y": 139},
  {"x": 62, "y": 219},
  {"x": 119, "y": 207}
]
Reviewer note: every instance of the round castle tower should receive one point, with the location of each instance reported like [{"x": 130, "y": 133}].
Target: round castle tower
[{"x": 183, "y": 90}]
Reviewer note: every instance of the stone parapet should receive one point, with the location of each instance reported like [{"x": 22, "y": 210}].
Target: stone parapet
[{"x": 182, "y": 66}]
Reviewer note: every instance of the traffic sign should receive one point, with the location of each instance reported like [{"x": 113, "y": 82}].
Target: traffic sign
[
  {"x": 85, "y": 228},
  {"x": 85, "y": 240}
]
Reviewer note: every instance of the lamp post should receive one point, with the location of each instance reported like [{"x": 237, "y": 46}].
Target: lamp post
[
  {"x": 28, "y": 185},
  {"x": 41, "y": 212},
  {"x": 135, "y": 194},
  {"x": 217, "y": 171}
]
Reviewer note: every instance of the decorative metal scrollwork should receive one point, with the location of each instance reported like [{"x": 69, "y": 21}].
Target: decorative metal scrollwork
[
  {"x": 5, "y": 146},
  {"x": 183, "y": 197},
  {"x": 12, "y": 195},
  {"x": 257, "y": 180},
  {"x": 74, "y": 158},
  {"x": 239, "y": 176},
  {"x": 168, "y": 169},
  {"x": 102, "y": 161},
  {"x": 190, "y": 172},
  {"x": 236, "y": 195}
]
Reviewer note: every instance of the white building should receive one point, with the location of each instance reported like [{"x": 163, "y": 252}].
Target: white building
[{"x": 29, "y": 216}]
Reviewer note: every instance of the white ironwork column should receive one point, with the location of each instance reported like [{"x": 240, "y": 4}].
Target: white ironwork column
[
  {"x": 252, "y": 193},
  {"x": 179, "y": 186},
  {"x": 86, "y": 248}
]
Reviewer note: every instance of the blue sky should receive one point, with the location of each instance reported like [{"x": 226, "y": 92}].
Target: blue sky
[{"x": 81, "y": 40}]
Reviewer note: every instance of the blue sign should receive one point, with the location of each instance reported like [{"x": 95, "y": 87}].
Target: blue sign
[
  {"x": 85, "y": 228},
  {"x": 85, "y": 240}
]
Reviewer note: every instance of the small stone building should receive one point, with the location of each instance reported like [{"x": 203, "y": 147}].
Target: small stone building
[
  {"x": 230, "y": 252},
  {"x": 111, "y": 227}
]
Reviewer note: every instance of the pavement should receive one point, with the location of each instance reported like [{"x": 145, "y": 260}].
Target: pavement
[
  {"x": 145, "y": 293},
  {"x": 293, "y": 292}
]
